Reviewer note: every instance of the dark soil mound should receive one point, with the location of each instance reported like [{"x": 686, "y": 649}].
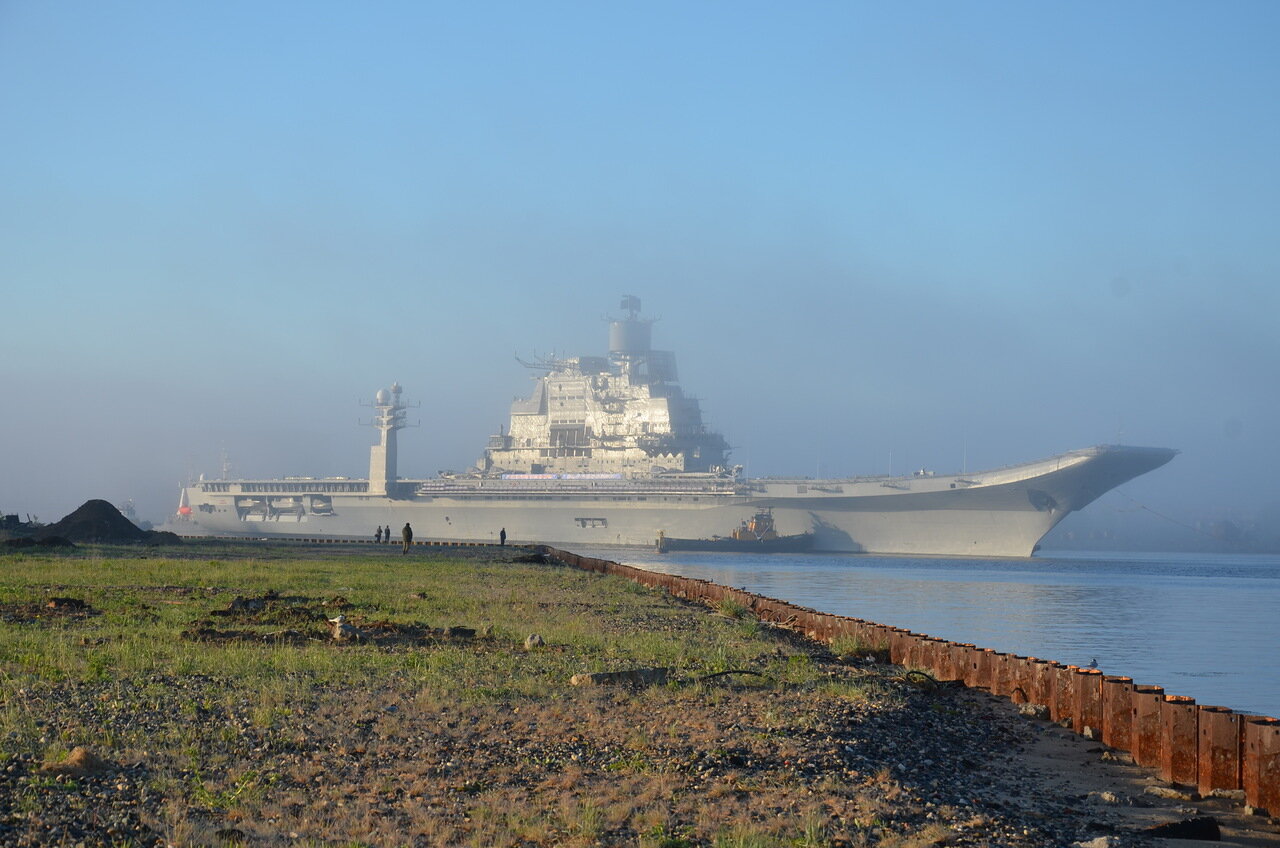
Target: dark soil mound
[
  {"x": 163, "y": 537},
  {"x": 96, "y": 521}
]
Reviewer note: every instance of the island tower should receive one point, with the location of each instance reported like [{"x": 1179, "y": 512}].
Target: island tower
[
  {"x": 621, "y": 415},
  {"x": 382, "y": 456}
]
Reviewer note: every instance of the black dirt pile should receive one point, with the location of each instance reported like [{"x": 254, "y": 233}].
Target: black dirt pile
[
  {"x": 99, "y": 521},
  {"x": 96, "y": 521}
]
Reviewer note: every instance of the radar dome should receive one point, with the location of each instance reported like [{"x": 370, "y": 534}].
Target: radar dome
[{"x": 383, "y": 397}]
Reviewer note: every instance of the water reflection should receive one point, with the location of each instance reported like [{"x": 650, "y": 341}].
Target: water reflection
[{"x": 1203, "y": 626}]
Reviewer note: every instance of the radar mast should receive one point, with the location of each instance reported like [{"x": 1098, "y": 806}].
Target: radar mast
[{"x": 382, "y": 456}]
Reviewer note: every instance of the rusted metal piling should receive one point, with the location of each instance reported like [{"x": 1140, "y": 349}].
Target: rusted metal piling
[
  {"x": 1218, "y": 749},
  {"x": 1260, "y": 771},
  {"x": 1087, "y": 718},
  {"x": 1041, "y": 681},
  {"x": 1178, "y": 743},
  {"x": 1117, "y": 712},
  {"x": 1147, "y": 731},
  {"x": 1062, "y": 708},
  {"x": 1203, "y": 747}
]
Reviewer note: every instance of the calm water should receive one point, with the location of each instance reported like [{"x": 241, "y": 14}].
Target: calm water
[{"x": 1207, "y": 626}]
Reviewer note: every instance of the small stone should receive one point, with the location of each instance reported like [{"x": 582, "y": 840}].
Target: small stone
[
  {"x": 344, "y": 632},
  {"x": 1036, "y": 711},
  {"x": 1108, "y": 797},
  {"x": 1100, "y": 842},
  {"x": 1170, "y": 793},
  {"x": 533, "y": 640}
]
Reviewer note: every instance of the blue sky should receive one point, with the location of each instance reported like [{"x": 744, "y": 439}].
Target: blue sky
[{"x": 940, "y": 232}]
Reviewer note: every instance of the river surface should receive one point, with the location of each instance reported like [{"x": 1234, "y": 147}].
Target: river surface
[{"x": 1202, "y": 625}]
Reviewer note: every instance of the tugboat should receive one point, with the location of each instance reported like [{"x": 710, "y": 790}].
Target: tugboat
[{"x": 755, "y": 534}]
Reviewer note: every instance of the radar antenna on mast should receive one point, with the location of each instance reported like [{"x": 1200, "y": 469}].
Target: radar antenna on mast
[{"x": 382, "y": 456}]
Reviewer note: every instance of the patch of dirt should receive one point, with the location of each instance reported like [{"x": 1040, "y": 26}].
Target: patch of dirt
[
  {"x": 306, "y": 620},
  {"x": 48, "y": 611},
  {"x": 81, "y": 762},
  {"x": 285, "y": 637}
]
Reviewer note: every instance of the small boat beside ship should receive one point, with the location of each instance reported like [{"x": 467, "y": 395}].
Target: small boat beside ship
[{"x": 754, "y": 535}]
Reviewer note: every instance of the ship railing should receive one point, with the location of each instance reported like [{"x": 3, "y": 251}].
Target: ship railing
[{"x": 576, "y": 487}]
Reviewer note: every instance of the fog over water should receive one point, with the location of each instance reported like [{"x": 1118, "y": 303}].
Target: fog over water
[{"x": 878, "y": 238}]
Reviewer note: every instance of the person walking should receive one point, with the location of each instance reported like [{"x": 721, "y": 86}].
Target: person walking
[
  {"x": 407, "y": 535},
  {"x": 502, "y": 536},
  {"x": 377, "y": 537}
]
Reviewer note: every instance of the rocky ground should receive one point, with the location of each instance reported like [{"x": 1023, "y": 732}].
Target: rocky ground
[{"x": 860, "y": 754}]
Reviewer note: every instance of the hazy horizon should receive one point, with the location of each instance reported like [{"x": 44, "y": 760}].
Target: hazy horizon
[{"x": 878, "y": 237}]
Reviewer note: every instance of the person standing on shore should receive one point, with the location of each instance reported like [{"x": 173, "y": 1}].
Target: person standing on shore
[
  {"x": 502, "y": 537},
  {"x": 386, "y": 534},
  {"x": 407, "y": 535},
  {"x": 377, "y": 537}
]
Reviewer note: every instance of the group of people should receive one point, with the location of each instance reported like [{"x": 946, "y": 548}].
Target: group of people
[{"x": 406, "y": 535}]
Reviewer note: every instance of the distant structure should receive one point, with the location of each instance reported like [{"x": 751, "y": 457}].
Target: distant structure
[
  {"x": 623, "y": 414},
  {"x": 382, "y": 456}
]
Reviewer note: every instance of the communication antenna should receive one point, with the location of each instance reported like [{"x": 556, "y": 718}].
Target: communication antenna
[{"x": 390, "y": 410}]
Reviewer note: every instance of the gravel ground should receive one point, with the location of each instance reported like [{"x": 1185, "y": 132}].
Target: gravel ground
[
  {"x": 861, "y": 756},
  {"x": 387, "y": 768}
]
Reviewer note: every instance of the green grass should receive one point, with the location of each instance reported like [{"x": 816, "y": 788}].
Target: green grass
[
  {"x": 212, "y": 707},
  {"x": 143, "y": 606}
]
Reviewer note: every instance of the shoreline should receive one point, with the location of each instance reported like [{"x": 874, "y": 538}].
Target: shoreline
[{"x": 392, "y": 751}]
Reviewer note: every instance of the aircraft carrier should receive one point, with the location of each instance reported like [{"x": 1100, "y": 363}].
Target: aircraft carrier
[{"x": 608, "y": 450}]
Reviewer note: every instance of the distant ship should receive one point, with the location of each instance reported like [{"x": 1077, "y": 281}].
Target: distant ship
[{"x": 607, "y": 450}]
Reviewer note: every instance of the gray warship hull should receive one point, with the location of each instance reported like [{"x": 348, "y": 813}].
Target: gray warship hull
[
  {"x": 1002, "y": 512},
  {"x": 608, "y": 450}
]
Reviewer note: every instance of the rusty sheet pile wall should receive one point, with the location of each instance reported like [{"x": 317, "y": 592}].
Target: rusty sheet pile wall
[{"x": 1210, "y": 748}]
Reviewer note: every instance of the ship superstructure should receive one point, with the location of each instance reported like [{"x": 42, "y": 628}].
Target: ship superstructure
[
  {"x": 608, "y": 450},
  {"x": 621, "y": 414}
]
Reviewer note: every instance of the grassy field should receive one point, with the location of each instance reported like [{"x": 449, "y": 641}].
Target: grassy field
[{"x": 208, "y": 681}]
